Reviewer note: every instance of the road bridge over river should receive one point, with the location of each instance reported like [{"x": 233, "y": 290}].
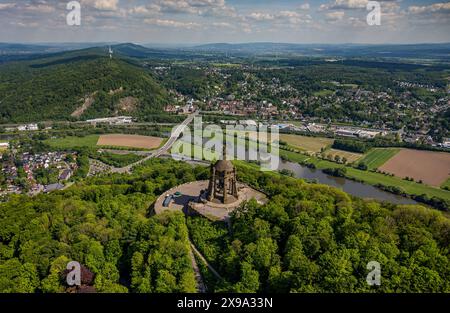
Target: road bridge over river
[{"x": 161, "y": 151}]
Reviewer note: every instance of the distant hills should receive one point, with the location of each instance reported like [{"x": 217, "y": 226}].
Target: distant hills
[
  {"x": 19, "y": 48},
  {"x": 76, "y": 84},
  {"x": 420, "y": 51},
  {"x": 18, "y": 51},
  {"x": 439, "y": 50}
]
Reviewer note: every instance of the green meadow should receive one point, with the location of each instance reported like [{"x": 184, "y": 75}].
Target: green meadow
[
  {"x": 71, "y": 142},
  {"x": 378, "y": 156}
]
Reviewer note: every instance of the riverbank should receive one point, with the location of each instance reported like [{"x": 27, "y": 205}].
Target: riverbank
[
  {"x": 419, "y": 192},
  {"x": 438, "y": 198}
]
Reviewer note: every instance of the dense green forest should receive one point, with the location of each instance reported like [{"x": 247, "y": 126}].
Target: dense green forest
[
  {"x": 54, "y": 87},
  {"x": 308, "y": 238},
  {"x": 104, "y": 224},
  {"x": 314, "y": 238},
  {"x": 351, "y": 145}
]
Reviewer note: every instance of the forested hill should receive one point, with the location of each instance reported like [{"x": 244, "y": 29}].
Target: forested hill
[{"x": 76, "y": 85}]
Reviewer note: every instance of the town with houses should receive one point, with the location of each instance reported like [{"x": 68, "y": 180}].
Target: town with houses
[
  {"x": 393, "y": 110},
  {"x": 27, "y": 180},
  {"x": 295, "y": 121},
  {"x": 291, "y": 113}
]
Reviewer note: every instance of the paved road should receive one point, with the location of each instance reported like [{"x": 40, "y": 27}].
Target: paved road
[{"x": 174, "y": 136}]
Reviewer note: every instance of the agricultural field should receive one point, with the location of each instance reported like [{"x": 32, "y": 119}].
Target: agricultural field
[
  {"x": 350, "y": 156},
  {"x": 130, "y": 141},
  {"x": 371, "y": 178},
  {"x": 378, "y": 156},
  {"x": 112, "y": 140},
  {"x": 71, "y": 142},
  {"x": 310, "y": 144},
  {"x": 430, "y": 167}
]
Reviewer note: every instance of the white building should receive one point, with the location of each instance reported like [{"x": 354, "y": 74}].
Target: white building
[
  {"x": 250, "y": 123},
  {"x": 446, "y": 143},
  {"x": 28, "y": 127},
  {"x": 345, "y": 133}
]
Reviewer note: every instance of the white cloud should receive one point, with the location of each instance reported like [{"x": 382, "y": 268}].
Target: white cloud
[
  {"x": 5, "y": 6},
  {"x": 305, "y": 6},
  {"x": 197, "y": 7},
  {"x": 25, "y": 24},
  {"x": 280, "y": 19},
  {"x": 223, "y": 25},
  {"x": 357, "y": 22},
  {"x": 344, "y": 5},
  {"x": 258, "y": 16},
  {"x": 40, "y": 8},
  {"x": 335, "y": 16},
  {"x": 107, "y": 5},
  {"x": 386, "y": 5},
  {"x": 172, "y": 23},
  {"x": 151, "y": 9},
  {"x": 432, "y": 8},
  {"x": 288, "y": 14}
]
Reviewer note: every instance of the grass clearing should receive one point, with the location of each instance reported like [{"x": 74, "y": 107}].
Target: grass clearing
[
  {"x": 378, "y": 156},
  {"x": 118, "y": 160},
  {"x": 354, "y": 86},
  {"x": 71, "y": 142},
  {"x": 350, "y": 156},
  {"x": 324, "y": 93}
]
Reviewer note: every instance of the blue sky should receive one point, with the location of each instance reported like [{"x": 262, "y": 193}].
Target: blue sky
[{"x": 205, "y": 21}]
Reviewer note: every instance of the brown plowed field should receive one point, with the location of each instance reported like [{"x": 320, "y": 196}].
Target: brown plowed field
[
  {"x": 132, "y": 141},
  {"x": 433, "y": 168}
]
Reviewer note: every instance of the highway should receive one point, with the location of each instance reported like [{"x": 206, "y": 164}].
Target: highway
[
  {"x": 161, "y": 151},
  {"x": 174, "y": 136}
]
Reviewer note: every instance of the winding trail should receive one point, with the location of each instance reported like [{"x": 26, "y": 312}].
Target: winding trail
[
  {"x": 201, "y": 286},
  {"x": 210, "y": 267}
]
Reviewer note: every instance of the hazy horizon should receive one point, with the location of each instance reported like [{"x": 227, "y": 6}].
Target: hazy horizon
[{"x": 218, "y": 43}]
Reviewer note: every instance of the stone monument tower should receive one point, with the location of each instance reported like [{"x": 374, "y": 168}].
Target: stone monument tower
[{"x": 223, "y": 184}]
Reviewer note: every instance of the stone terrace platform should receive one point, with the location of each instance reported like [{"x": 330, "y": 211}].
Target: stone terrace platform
[{"x": 191, "y": 202}]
